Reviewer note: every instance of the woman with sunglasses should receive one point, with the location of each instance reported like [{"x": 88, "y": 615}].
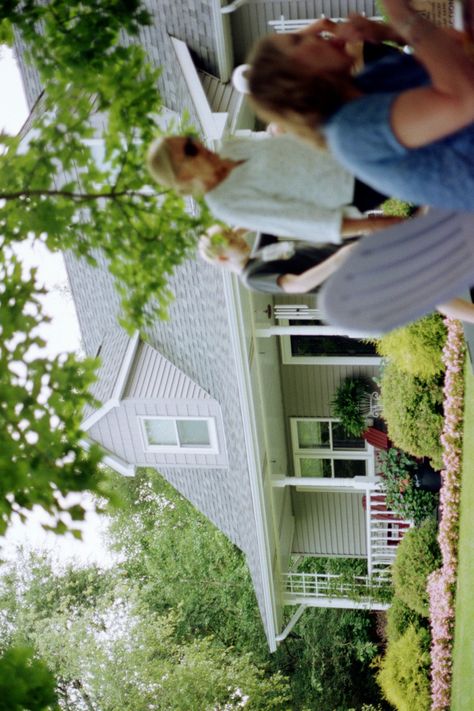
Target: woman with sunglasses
[
  {"x": 404, "y": 125},
  {"x": 277, "y": 185}
]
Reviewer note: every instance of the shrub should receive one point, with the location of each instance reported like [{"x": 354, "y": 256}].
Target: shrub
[
  {"x": 416, "y": 349},
  {"x": 412, "y": 409},
  {"x": 403, "y": 497},
  {"x": 399, "y": 618},
  {"x": 418, "y": 555},
  {"x": 404, "y": 672},
  {"x": 347, "y": 402}
]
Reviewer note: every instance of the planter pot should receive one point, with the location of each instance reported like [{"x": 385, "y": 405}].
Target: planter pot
[{"x": 426, "y": 478}]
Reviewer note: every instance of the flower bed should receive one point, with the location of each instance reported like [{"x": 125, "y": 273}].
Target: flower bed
[{"x": 442, "y": 583}]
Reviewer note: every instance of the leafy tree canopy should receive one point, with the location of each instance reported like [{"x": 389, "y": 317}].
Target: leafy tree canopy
[
  {"x": 110, "y": 651},
  {"x": 75, "y": 179}
]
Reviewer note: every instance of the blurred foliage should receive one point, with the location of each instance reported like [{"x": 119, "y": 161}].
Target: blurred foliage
[{"x": 34, "y": 687}]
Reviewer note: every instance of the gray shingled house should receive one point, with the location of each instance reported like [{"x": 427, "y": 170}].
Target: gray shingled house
[{"x": 230, "y": 399}]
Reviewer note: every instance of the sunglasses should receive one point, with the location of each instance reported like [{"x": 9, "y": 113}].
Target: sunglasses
[{"x": 190, "y": 149}]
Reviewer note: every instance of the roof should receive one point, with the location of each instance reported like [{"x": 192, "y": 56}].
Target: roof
[{"x": 196, "y": 339}]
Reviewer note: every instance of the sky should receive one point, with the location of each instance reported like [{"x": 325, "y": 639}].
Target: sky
[{"x": 61, "y": 335}]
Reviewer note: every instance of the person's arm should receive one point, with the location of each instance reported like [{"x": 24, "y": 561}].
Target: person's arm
[
  {"x": 355, "y": 227},
  {"x": 426, "y": 114},
  {"x": 356, "y": 29},
  {"x": 458, "y": 308},
  {"x": 314, "y": 276}
]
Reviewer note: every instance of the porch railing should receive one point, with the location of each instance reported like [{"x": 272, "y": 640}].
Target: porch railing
[
  {"x": 283, "y": 25},
  {"x": 385, "y": 530},
  {"x": 304, "y": 586}
]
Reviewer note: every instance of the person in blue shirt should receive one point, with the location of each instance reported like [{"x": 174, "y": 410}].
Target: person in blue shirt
[{"x": 403, "y": 125}]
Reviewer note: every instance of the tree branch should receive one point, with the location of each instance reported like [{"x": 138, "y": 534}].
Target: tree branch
[{"x": 86, "y": 197}]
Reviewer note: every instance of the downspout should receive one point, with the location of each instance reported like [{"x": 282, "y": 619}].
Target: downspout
[
  {"x": 223, "y": 37},
  {"x": 233, "y": 6},
  {"x": 283, "y": 635}
]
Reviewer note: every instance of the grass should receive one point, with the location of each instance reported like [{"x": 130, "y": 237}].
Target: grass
[{"x": 463, "y": 655}]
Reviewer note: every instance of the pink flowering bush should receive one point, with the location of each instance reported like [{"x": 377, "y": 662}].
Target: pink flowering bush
[{"x": 442, "y": 583}]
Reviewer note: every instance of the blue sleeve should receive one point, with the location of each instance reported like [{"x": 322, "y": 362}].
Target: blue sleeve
[
  {"x": 360, "y": 132},
  {"x": 397, "y": 71}
]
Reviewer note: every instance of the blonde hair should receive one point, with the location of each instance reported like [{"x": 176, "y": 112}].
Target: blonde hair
[
  {"x": 163, "y": 169},
  {"x": 286, "y": 92},
  {"x": 160, "y": 164},
  {"x": 216, "y": 242}
]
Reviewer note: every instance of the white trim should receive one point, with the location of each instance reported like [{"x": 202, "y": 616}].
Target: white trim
[
  {"x": 223, "y": 37},
  {"x": 212, "y": 448},
  {"x": 116, "y": 463},
  {"x": 99, "y": 414},
  {"x": 124, "y": 371},
  {"x": 336, "y": 602},
  {"x": 358, "y": 483},
  {"x": 119, "y": 385},
  {"x": 282, "y": 330},
  {"x": 213, "y": 129},
  {"x": 237, "y": 334}
]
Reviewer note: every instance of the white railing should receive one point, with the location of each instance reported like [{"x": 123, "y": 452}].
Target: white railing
[
  {"x": 385, "y": 530},
  {"x": 282, "y": 25},
  {"x": 303, "y": 586},
  {"x": 295, "y": 312}
]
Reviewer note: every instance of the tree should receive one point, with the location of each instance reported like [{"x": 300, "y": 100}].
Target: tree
[
  {"x": 109, "y": 651},
  {"x": 185, "y": 565},
  {"x": 54, "y": 189}
]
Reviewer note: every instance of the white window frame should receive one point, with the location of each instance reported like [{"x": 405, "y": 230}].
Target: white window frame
[
  {"x": 366, "y": 454},
  {"x": 212, "y": 448},
  {"x": 288, "y": 358}
]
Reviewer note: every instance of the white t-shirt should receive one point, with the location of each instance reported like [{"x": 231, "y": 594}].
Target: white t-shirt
[{"x": 284, "y": 187}]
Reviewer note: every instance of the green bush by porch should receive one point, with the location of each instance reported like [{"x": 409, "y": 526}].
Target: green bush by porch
[
  {"x": 399, "y": 617},
  {"x": 418, "y": 555},
  {"x": 412, "y": 409},
  {"x": 404, "y": 671},
  {"x": 416, "y": 349}
]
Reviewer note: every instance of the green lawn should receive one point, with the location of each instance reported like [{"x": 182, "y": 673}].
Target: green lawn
[{"x": 463, "y": 669}]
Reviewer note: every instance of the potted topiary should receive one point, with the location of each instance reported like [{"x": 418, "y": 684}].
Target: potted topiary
[
  {"x": 349, "y": 405},
  {"x": 410, "y": 486}
]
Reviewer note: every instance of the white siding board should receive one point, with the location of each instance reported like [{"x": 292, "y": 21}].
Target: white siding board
[
  {"x": 329, "y": 524},
  {"x": 155, "y": 377}
]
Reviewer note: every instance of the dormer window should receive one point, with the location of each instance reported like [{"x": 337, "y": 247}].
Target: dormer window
[{"x": 192, "y": 435}]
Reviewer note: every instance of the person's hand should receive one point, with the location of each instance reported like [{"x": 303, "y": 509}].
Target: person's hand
[
  {"x": 360, "y": 29},
  {"x": 399, "y": 10},
  {"x": 320, "y": 26}
]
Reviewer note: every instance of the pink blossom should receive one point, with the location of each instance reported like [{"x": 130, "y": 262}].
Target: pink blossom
[{"x": 441, "y": 583}]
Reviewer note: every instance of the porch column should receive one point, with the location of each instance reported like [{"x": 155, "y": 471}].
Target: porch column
[
  {"x": 276, "y": 330},
  {"x": 357, "y": 483}
]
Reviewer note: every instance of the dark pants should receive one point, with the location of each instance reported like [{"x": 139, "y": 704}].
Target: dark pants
[{"x": 366, "y": 198}]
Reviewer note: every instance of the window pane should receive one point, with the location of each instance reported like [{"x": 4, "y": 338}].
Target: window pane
[
  {"x": 313, "y": 435},
  {"x": 310, "y": 466},
  {"x": 343, "y": 440},
  {"x": 347, "y": 468},
  {"x": 193, "y": 433},
  {"x": 329, "y": 346},
  {"x": 161, "y": 432}
]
